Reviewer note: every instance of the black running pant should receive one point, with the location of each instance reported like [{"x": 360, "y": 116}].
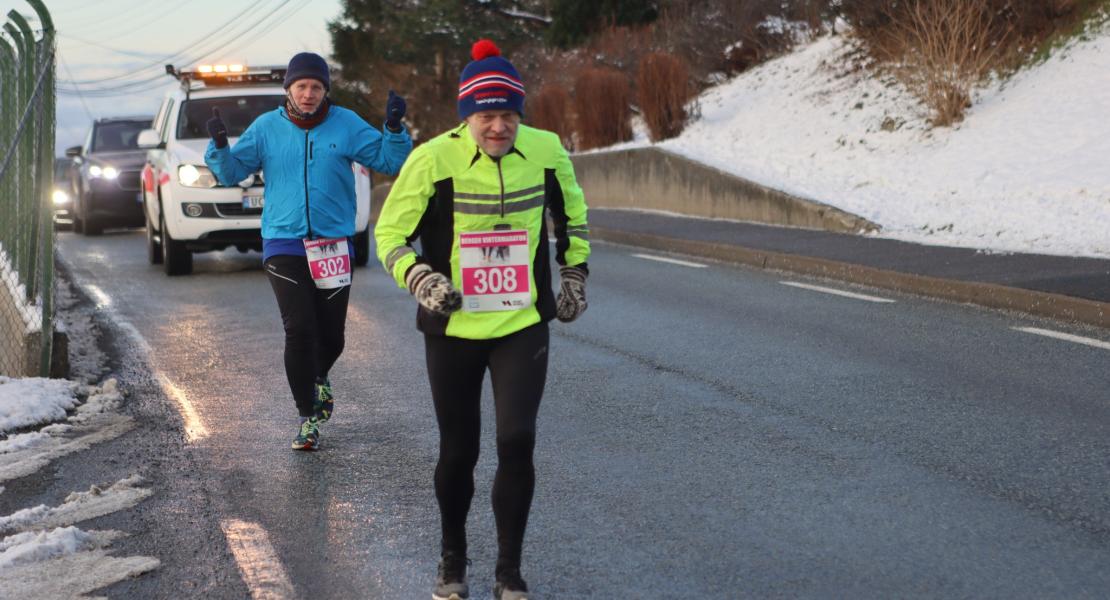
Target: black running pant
[
  {"x": 314, "y": 321},
  {"x": 518, "y": 368}
]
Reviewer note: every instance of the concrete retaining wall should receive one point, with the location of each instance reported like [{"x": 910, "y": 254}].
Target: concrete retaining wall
[{"x": 650, "y": 178}]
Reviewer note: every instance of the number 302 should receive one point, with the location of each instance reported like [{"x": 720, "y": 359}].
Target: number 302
[{"x": 495, "y": 280}]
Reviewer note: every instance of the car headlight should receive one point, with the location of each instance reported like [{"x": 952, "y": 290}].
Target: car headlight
[
  {"x": 60, "y": 197},
  {"x": 194, "y": 176},
  {"x": 96, "y": 172}
]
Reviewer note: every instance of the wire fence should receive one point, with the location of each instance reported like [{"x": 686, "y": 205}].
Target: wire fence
[{"x": 27, "y": 122}]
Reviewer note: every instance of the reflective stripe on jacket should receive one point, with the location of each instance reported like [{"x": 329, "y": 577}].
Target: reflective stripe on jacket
[
  {"x": 310, "y": 187},
  {"x": 449, "y": 186}
]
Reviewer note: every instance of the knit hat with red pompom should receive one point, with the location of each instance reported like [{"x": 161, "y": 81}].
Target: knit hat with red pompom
[{"x": 489, "y": 82}]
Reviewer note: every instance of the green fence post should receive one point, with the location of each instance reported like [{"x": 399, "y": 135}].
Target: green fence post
[
  {"x": 28, "y": 170},
  {"x": 7, "y": 133},
  {"x": 46, "y": 184}
]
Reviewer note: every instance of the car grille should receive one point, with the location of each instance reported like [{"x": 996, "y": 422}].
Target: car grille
[
  {"x": 235, "y": 209},
  {"x": 128, "y": 180}
]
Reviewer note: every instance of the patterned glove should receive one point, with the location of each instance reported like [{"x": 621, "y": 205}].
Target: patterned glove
[
  {"x": 433, "y": 290},
  {"x": 571, "y": 302},
  {"x": 394, "y": 112},
  {"x": 216, "y": 129}
]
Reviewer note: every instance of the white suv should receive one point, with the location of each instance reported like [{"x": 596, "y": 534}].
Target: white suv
[{"x": 186, "y": 209}]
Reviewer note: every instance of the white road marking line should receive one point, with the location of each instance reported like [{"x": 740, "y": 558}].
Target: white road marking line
[
  {"x": 673, "y": 261},
  {"x": 258, "y": 562},
  {"x": 194, "y": 426},
  {"x": 1066, "y": 337},
  {"x": 102, "y": 300},
  {"x": 836, "y": 292}
]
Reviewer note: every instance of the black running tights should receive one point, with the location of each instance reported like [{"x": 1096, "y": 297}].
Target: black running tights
[
  {"x": 314, "y": 321},
  {"x": 518, "y": 368}
]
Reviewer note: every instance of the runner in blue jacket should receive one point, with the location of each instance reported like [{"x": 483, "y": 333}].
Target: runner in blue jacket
[{"x": 305, "y": 150}]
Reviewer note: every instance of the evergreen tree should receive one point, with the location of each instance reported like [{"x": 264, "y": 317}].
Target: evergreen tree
[
  {"x": 575, "y": 20},
  {"x": 418, "y": 48}
]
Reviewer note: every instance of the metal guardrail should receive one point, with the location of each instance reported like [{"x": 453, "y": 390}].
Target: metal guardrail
[{"x": 27, "y": 123}]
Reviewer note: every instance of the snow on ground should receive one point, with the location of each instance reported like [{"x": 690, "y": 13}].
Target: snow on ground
[
  {"x": 34, "y": 401},
  {"x": 78, "y": 506},
  {"x": 96, "y": 420},
  {"x": 1025, "y": 172}
]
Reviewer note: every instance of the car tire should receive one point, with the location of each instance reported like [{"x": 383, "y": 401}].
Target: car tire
[
  {"x": 362, "y": 247},
  {"x": 78, "y": 222},
  {"x": 176, "y": 258},
  {"x": 153, "y": 247},
  {"x": 89, "y": 225},
  {"x": 93, "y": 226}
]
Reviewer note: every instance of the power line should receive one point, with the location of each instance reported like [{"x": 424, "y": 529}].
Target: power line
[
  {"x": 79, "y": 95},
  {"x": 236, "y": 43},
  {"x": 171, "y": 57}
]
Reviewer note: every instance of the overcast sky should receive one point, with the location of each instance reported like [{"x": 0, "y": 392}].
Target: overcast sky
[{"x": 109, "y": 43}]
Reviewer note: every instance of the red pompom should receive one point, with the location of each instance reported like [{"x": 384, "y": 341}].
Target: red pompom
[{"x": 484, "y": 49}]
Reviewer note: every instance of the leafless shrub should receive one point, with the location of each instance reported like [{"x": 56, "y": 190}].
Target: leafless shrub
[
  {"x": 549, "y": 110},
  {"x": 601, "y": 104},
  {"x": 662, "y": 84},
  {"x": 941, "y": 49}
]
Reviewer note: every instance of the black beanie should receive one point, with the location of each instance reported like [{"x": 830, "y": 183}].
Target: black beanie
[{"x": 307, "y": 65}]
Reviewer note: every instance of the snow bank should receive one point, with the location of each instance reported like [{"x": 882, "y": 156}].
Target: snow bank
[{"x": 1025, "y": 172}]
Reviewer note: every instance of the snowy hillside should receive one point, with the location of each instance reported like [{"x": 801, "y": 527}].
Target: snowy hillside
[{"x": 1027, "y": 171}]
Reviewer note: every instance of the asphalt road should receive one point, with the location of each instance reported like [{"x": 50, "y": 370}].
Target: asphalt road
[{"x": 707, "y": 432}]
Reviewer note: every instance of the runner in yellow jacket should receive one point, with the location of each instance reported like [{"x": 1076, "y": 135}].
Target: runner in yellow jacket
[{"x": 476, "y": 197}]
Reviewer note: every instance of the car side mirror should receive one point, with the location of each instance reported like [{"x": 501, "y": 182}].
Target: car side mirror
[
  {"x": 73, "y": 151},
  {"x": 149, "y": 138}
]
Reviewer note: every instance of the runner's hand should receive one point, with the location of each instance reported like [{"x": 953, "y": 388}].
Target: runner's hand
[
  {"x": 216, "y": 129},
  {"x": 394, "y": 112},
  {"x": 571, "y": 302},
  {"x": 433, "y": 290}
]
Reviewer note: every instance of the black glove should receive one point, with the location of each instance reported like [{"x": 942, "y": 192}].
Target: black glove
[
  {"x": 216, "y": 129},
  {"x": 433, "y": 290},
  {"x": 394, "y": 112},
  {"x": 571, "y": 302}
]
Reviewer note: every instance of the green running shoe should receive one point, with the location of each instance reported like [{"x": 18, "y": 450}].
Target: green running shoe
[
  {"x": 324, "y": 403},
  {"x": 308, "y": 438}
]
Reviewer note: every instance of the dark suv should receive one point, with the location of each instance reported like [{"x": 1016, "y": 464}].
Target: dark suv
[{"x": 106, "y": 175}]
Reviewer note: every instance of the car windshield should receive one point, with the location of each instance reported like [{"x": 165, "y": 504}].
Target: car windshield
[
  {"x": 61, "y": 168},
  {"x": 117, "y": 135},
  {"x": 237, "y": 113}
]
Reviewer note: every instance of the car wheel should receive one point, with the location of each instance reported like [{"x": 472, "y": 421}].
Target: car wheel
[
  {"x": 176, "y": 258},
  {"x": 93, "y": 226},
  {"x": 78, "y": 222},
  {"x": 153, "y": 246},
  {"x": 89, "y": 225},
  {"x": 362, "y": 248}
]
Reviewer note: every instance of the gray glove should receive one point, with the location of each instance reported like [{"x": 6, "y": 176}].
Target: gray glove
[
  {"x": 433, "y": 290},
  {"x": 571, "y": 302}
]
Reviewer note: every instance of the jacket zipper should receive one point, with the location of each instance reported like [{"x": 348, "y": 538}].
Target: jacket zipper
[
  {"x": 502, "y": 180},
  {"x": 308, "y": 155}
]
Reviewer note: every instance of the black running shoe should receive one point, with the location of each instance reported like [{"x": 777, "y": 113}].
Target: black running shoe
[
  {"x": 451, "y": 580},
  {"x": 510, "y": 586}
]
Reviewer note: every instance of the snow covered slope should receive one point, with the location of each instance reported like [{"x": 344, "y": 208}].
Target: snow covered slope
[{"x": 1027, "y": 171}]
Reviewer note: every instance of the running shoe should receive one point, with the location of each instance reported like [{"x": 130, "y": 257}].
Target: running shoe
[
  {"x": 324, "y": 403},
  {"x": 308, "y": 437},
  {"x": 451, "y": 580},
  {"x": 510, "y": 586}
]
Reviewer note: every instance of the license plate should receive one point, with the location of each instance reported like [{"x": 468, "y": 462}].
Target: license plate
[{"x": 252, "y": 202}]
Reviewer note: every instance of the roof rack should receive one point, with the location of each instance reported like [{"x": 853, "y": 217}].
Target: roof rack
[{"x": 206, "y": 76}]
